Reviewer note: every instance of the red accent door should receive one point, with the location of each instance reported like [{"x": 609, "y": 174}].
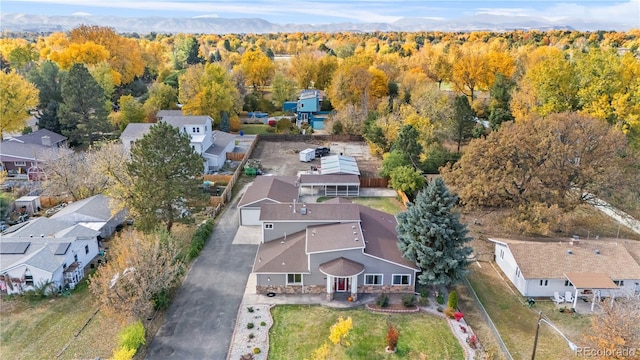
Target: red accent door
[{"x": 342, "y": 284}]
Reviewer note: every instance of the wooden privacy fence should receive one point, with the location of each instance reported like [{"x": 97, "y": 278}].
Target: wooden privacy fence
[
  {"x": 223, "y": 179},
  {"x": 225, "y": 197},
  {"x": 374, "y": 182},
  {"x": 235, "y": 156},
  {"x": 283, "y": 137}
]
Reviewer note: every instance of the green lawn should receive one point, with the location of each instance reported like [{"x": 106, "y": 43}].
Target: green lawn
[
  {"x": 387, "y": 204},
  {"x": 517, "y": 322},
  {"x": 252, "y": 129},
  {"x": 41, "y": 329},
  {"x": 298, "y": 330}
]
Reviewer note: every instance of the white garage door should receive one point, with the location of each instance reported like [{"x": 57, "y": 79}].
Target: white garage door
[{"x": 249, "y": 216}]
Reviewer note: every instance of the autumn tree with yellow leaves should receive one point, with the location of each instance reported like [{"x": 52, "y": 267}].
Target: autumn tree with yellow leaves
[{"x": 17, "y": 97}]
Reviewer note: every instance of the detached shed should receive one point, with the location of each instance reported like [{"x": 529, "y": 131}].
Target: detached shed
[{"x": 30, "y": 204}]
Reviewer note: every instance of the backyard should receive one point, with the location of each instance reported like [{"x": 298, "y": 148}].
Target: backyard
[
  {"x": 298, "y": 330},
  {"x": 40, "y": 329},
  {"x": 389, "y": 205},
  {"x": 516, "y": 322}
]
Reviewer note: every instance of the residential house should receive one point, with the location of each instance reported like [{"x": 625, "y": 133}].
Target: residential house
[
  {"x": 331, "y": 247},
  {"x": 213, "y": 145},
  {"x": 23, "y": 159},
  {"x": 42, "y": 137},
  {"x": 264, "y": 190},
  {"x": 45, "y": 251},
  {"x": 308, "y": 109},
  {"x": 580, "y": 266},
  {"x": 96, "y": 212}
]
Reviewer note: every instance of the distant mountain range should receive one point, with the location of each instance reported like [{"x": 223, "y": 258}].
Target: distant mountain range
[{"x": 143, "y": 25}]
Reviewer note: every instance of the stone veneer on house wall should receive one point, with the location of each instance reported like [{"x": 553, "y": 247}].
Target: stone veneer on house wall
[{"x": 319, "y": 289}]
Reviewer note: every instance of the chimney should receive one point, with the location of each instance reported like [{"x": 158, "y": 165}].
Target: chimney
[
  {"x": 46, "y": 140},
  {"x": 294, "y": 206},
  {"x": 575, "y": 240}
]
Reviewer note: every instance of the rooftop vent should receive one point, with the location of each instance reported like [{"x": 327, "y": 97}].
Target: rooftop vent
[
  {"x": 353, "y": 226},
  {"x": 597, "y": 252},
  {"x": 303, "y": 211},
  {"x": 569, "y": 252},
  {"x": 356, "y": 239}
]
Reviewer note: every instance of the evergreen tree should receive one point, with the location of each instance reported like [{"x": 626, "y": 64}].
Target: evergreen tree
[
  {"x": 431, "y": 234},
  {"x": 83, "y": 115},
  {"x": 224, "y": 121},
  {"x": 462, "y": 122},
  {"x": 48, "y": 117},
  {"x": 47, "y": 78},
  {"x": 500, "y": 97},
  {"x": 407, "y": 144},
  {"x": 166, "y": 173}
]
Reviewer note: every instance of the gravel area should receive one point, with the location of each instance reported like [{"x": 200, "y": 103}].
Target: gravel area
[{"x": 241, "y": 343}]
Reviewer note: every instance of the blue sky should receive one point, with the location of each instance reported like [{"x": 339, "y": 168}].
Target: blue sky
[{"x": 329, "y": 11}]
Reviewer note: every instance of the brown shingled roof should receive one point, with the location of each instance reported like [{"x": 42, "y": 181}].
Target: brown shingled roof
[
  {"x": 334, "y": 237},
  {"x": 538, "y": 260},
  {"x": 277, "y": 188},
  {"x": 282, "y": 256},
  {"x": 341, "y": 267},
  {"x": 633, "y": 247},
  {"x": 591, "y": 281},
  {"x": 381, "y": 237},
  {"x": 315, "y": 212}
]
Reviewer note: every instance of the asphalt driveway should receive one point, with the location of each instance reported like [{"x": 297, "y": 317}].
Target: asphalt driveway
[{"x": 200, "y": 322}]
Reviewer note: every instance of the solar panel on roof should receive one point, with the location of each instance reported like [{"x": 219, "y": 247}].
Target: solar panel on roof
[
  {"x": 14, "y": 247},
  {"x": 62, "y": 249}
]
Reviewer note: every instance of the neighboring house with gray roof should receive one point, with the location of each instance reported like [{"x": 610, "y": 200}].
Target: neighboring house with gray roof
[
  {"x": 213, "y": 145},
  {"x": 542, "y": 268},
  {"x": 42, "y": 137},
  {"x": 96, "y": 212},
  {"x": 331, "y": 247},
  {"x": 263, "y": 190},
  {"x": 18, "y": 158},
  {"x": 44, "y": 251}
]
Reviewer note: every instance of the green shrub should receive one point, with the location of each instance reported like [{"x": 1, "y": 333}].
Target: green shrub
[
  {"x": 250, "y": 309},
  {"x": 382, "y": 300},
  {"x": 199, "y": 239},
  {"x": 250, "y": 326},
  {"x": 408, "y": 300},
  {"x": 453, "y": 300},
  {"x": 251, "y": 336},
  {"x": 161, "y": 300},
  {"x": 423, "y": 301},
  {"x": 256, "y": 350},
  {"x": 424, "y": 293},
  {"x": 440, "y": 299},
  {"x": 262, "y": 323},
  {"x": 132, "y": 336}
]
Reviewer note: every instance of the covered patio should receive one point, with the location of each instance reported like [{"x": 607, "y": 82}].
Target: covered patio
[
  {"x": 329, "y": 185},
  {"x": 591, "y": 287}
]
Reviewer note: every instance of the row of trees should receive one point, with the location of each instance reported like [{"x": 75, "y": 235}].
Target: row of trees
[{"x": 360, "y": 71}]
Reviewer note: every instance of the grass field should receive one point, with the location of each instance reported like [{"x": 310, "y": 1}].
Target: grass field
[
  {"x": 41, "y": 329},
  {"x": 298, "y": 330},
  {"x": 387, "y": 204},
  {"x": 252, "y": 129},
  {"x": 517, "y": 322}
]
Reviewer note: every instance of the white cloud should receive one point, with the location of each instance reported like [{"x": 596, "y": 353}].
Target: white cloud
[{"x": 81, "y": 13}]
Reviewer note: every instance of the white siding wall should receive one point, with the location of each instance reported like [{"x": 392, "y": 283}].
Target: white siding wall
[
  {"x": 507, "y": 264},
  {"x": 39, "y": 277}
]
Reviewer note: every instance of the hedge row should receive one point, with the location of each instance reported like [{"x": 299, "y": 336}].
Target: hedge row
[{"x": 199, "y": 239}]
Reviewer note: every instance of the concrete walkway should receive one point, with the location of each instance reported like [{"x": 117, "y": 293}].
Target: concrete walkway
[{"x": 200, "y": 322}]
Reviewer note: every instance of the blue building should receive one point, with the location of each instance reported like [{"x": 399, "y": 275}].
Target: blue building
[{"x": 307, "y": 109}]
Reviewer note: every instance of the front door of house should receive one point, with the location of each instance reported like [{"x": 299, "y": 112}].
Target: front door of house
[{"x": 342, "y": 284}]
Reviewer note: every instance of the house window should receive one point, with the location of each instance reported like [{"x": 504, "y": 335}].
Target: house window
[
  {"x": 64, "y": 266},
  {"x": 294, "y": 279},
  {"x": 501, "y": 254},
  {"x": 28, "y": 280},
  {"x": 75, "y": 257},
  {"x": 544, "y": 282},
  {"x": 401, "y": 279},
  {"x": 268, "y": 226},
  {"x": 618, "y": 282},
  {"x": 517, "y": 272},
  {"x": 373, "y": 279},
  {"x": 20, "y": 163},
  {"x": 86, "y": 249},
  {"x": 196, "y": 129},
  {"x": 567, "y": 283}
]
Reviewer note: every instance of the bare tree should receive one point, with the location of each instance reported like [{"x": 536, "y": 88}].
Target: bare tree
[
  {"x": 614, "y": 332},
  {"x": 141, "y": 268}
]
